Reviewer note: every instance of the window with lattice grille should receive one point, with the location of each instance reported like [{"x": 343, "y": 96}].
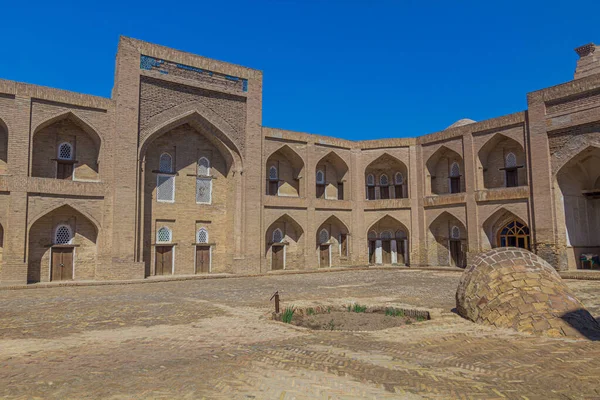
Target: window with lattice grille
[
  {"x": 202, "y": 236},
  {"x": 203, "y": 190},
  {"x": 203, "y": 166},
  {"x": 165, "y": 163},
  {"x": 323, "y": 236},
  {"x": 63, "y": 235},
  {"x": 273, "y": 173},
  {"x": 455, "y": 170},
  {"x": 165, "y": 188},
  {"x": 320, "y": 177},
  {"x": 65, "y": 151},
  {"x": 399, "y": 178},
  {"x": 400, "y": 234},
  {"x": 370, "y": 180},
  {"x": 383, "y": 180},
  {"x": 455, "y": 232},
  {"x": 277, "y": 236},
  {"x": 164, "y": 235},
  {"x": 372, "y": 235},
  {"x": 511, "y": 160},
  {"x": 386, "y": 235}
]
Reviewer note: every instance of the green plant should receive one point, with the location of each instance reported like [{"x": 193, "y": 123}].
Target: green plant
[
  {"x": 288, "y": 314},
  {"x": 310, "y": 311},
  {"x": 394, "y": 312},
  {"x": 358, "y": 308},
  {"x": 349, "y": 307},
  {"x": 331, "y": 325},
  {"x": 420, "y": 318},
  {"x": 328, "y": 310}
]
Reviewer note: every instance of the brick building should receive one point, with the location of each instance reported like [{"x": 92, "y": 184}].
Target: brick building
[{"x": 175, "y": 174}]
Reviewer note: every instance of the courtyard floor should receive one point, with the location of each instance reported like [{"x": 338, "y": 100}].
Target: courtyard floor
[{"x": 213, "y": 339}]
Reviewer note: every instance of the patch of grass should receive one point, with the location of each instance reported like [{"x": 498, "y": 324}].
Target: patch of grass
[
  {"x": 420, "y": 318},
  {"x": 357, "y": 308},
  {"x": 394, "y": 312},
  {"x": 288, "y": 314},
  {"x": 331, "y": 325},
  {"x": 311, "y": 311}
]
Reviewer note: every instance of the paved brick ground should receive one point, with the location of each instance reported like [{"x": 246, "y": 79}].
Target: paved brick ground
[{"x": 210, "y": 338}]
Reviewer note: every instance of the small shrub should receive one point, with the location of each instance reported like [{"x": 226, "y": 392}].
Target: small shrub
[
  {"x": 359, "y": 309},
  {"x": 328, "y": 310},
  {"x": 330, "y": 325},
  {"x": 288, "y": 314},
  {"x": 394, "y": 312},
  {"x": 310, "y": 311},
  {"x": 349, "y": 307},
  {"x": 420, "y": 318}
]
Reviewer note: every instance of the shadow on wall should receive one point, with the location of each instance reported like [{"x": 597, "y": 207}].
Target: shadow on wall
[{"x": 584, "y": 323}]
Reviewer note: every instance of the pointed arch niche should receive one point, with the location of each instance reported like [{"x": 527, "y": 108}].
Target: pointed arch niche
[
  {"x": 387, "y": 242},
  {"x": 334, "y": 250},
  {"x": 284, "y": 244},
  {"x": 386, "y": 178},
  {"x": 501, "y": 163},
  {"x": 447, "y": 241},
  {"x": 445, "y": 172},
  {"x": 285, "y": 173},
  {"x": 334, "y": 184}
]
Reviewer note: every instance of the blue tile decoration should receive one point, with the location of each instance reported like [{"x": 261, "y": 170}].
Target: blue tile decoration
[{"x": 188, "y": 72}]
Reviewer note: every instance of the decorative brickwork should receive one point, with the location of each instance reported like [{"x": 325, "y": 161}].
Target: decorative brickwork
[{"x": 514, "y": 288}]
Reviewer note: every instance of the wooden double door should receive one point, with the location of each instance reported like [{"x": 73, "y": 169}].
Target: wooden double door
[
  {"x": 386, "y": 251},
  {"x": 278, "y": 260},
  {"x": 324, "y": 259},
  {"x": 202, "y": 259},
  {"x": 164, "y": 260},
  {"x": 457, "y": 255},
  {"x": 62, "y": 264}
]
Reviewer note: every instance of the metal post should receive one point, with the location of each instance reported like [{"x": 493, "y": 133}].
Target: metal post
[{"x": 276, "y": 297}]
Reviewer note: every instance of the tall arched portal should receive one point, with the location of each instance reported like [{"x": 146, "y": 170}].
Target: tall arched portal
[{"x": 387, "y": 241}]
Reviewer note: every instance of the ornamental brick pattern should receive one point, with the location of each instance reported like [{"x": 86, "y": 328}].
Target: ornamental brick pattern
[{"x": 514, "y": 288}]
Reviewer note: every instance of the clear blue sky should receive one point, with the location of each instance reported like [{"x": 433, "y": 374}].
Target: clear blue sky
[{"x": 351, "y": 69}]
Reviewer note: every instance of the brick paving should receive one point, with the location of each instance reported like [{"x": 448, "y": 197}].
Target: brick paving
[{"x": 211, "y": 339}]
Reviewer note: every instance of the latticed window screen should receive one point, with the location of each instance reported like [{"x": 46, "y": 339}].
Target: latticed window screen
[
  {"x": 202, "y": 236},
  {"x": 372, "y": 235},
  {"x": 165, "y": 163},
  {"x": 277, "y": 236},
  {"x": 320, "y": 177},
  {"x": 454, "y": 170},
  {"x": 400, "y": 234},
  {"x": 203, "y": 166},
  {"x": 65, "y": 151},
  {"x": 386, "y": 235},
  {"x": 370, "y": 180},
  {"x": 273, "y": 173},
  {"x": 323, "y": 236},
  {"x": 511, "y": 160},
  {"x": 62, "y": 235},
  {"x": 383, "y": 180},
  {"x": 165, "y": 188},
  {"x": 455, "y": 232},
  {"x": 203, "y": 190},
  {"x": 399, "y": 178},
  {"x": 163, "y": 235}
]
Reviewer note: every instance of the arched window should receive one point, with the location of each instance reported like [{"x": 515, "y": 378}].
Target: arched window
[
  {"x": 370, "y": 180},
  {"x": 203, "y": 166},
  {"x": 164, "y": 235},
  {"x": 511, "y": 160},
  {"x": 400, "y": 234},
  {"x": 372, "y": 235},
  {"x": 65, "y": 151},
  {"x": 63, "y": 235},
  {"x": 514, "y": 234},
  {"x": 384, "y": 189},
  {"x": 383, "y": 180},
  {"x": 455, "y": 170},
  {"x": 387, "y": 235},
  {"x": 399, "y": 179},
  {"x": 202, "y": 236},
  {"x": 277, "y": 236},
  {"x": 273, "y": 173},
  {"x": 455, "y": 233},
  {"x": 320, "y": 177},
  {"x": 323, "y": 236},
  {"x": 165, "y": 163}
]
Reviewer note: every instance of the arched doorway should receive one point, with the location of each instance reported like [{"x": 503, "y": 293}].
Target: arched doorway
[
  {"x": 332, "y": 242},
  {"x": 447, "y": 244},
  {"x": 331, "y": 177},
  {"x": 445, "y": 170},
  {"x": 387, "y": 242},
  {"x": 284, "y": 241},
  {"x": 284, "y": 170},
  {"x": 502, "y": 163},
  {"x": 514, "y": 234},
  {"x": 386, "y": 178}
]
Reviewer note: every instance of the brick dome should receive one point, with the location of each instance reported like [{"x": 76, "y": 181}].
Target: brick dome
[{"x": 513, "y": 288}]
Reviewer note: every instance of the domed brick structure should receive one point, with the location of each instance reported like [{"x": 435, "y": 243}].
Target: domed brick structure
[{"x": 513, "y": 288}]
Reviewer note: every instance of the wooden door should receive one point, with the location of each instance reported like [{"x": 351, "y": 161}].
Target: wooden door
[
  {"x": 455, "y": 185},
  {"x": 456, "y": 253},
  {"x": 386, "y": 256},
  {"x": 164, "y": 260},
  {"x": 340, "y": 190},
  {"x": 320, "y": 191},
  {"x": 371, "y": 193},
  {"x": 398, "y": 192},
  {"x": 384, "y": 192},
  {"x": 62, "y": 264},
  {"x": 371, "y": 252},
  {"x": 277, "y": 262},
  {"x": 324, "y": 259},
  {"x": 400, "y": 251},
  {"x": 512, "y": 177},
  {"x": 202, "y": 259},
  {"x": 273, "y": 188},
  {"x": 344, "y": 244},
  {"x": 64, "y": 170}
]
